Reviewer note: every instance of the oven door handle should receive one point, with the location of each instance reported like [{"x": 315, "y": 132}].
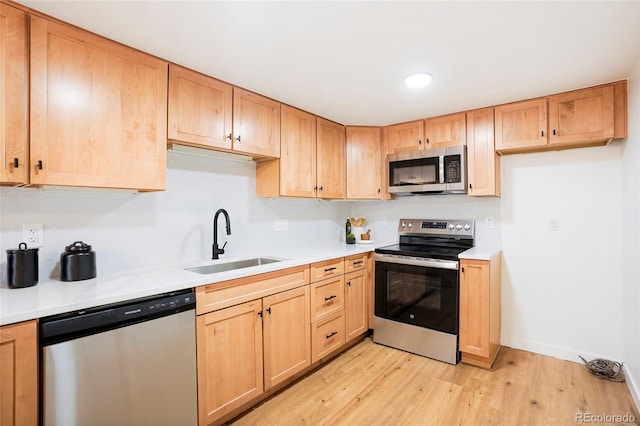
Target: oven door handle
[{"x": 417, "y": 261}]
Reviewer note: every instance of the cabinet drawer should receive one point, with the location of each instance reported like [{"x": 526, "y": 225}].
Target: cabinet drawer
[
  {"x": 327, "y": 269},
  {"x": 355, "y": 262},
  {"x": 327, "y": 297},
  {"x": 233, "y": 292},
  {"x": 326, "y": 336}
]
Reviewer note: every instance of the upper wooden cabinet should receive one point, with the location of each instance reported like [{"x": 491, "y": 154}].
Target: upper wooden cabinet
[
  {"x": 200, "y": 109},
  {"x": 447, "y": 130},
  {"x": 297, "y": 153},
  {"x": 98, "y": 111},
  {"x": 13, "y": 96},
  {"x": 581, "y": 116},
  {"x": 405, "y": 136},
  {"x": 331, "y": 159},
  {"x": 19, "y": 374},
  {"x": 521, "y": 125},
  {"x": 586, "y": 117},
  {"x": 366, "y": 163},
  {"x": 483, "y": 163},
  {"x": 256, "y": 124},
  {"x": 312, "y": 159}
]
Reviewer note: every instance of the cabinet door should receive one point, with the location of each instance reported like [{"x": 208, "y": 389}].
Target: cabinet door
[
  {"x": 364, "y": 163},
  {"x": 298, "y": 153},
  {"x": 355, "y": 304},
  {"x": 448, "y": 130},
  {"x": 483, "y": 162},
  {"x": 405, "y": 136},
  {"x": 331, "y": 160},
  {"x": 521, "y": 126},
  {"x": 19, "y": 374},
  {"x": 229, "y": 349},
  {"x": 581, "y": 116},
  {"x": 474, "y": 307},
  {"x": 13, "y": 95},
  {"x": 287, "y": 338},
  {"x": 200, "y": 109},
  {"x": 98, "y": 111},
  {"x": 256, "y": 124}
]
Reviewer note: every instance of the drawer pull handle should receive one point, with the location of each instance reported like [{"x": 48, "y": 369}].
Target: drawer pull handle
[
  {"x": 358, "y": 262},
  {"x": 333, "y": 268},
  {"x": 330, "y": 335},
  {"x": 326, "y": 299},
  {"x": 39, "y": 165},
  {"x": 16, "y": 163}
]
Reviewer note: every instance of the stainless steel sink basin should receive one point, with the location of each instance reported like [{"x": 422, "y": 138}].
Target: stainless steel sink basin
[{"x": 230, "y": 266}]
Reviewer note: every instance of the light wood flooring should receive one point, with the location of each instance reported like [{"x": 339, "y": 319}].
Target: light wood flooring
[{"x": 372, "y": 385}]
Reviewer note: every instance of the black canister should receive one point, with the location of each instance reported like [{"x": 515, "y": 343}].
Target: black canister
[
  {"x": 78, "y": 262},
  {"x": 22, "y": 267}
]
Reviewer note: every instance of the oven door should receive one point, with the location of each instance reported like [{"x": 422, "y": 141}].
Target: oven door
[{"x": 420, "y": 292}]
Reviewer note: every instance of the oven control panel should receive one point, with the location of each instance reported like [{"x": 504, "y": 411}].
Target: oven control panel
[{"x": 437, "y": 227}]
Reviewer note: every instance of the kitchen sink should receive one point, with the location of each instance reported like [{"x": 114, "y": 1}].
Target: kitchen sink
[{"x": 230, "y": 266}]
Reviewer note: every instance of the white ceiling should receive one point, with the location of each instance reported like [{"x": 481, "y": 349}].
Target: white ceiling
[{"x": 346, "y": 61}]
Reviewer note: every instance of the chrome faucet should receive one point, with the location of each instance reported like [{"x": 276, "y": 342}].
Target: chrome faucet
[{"x": 216, "y": 250}]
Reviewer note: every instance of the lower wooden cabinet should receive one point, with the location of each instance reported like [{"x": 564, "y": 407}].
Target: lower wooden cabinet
[
  {"x": 257, "y": 334},
  {"x": 229, "y": 359},
  {"x": 287, "y": 340},
  {"x": 245, "y": 349},
  {"x": 19, "y": 374},
  {"x": 480, "y": 311},
  {"x": 355, "y": 304}
]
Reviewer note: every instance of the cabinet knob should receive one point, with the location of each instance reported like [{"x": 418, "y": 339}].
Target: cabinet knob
[
  {"x": 238, "y": 138},
  {"x": 15, "y": 163},
  {"x": 349, "y": 283},
  {"x": 419, "y": 141},
  {"x": 39, "y": 164},
  {"x": 462, "y": 269},
  {"x": 542, "y": 133},
  {"x": 321, "y": 188},
  {"x": 427, "y": 140},
  {"x": 260, "y": 314},
  {"x": 554, "y": 132},
  {"x": 269, "y": 310},
  {"x": 230, "y": 137}
]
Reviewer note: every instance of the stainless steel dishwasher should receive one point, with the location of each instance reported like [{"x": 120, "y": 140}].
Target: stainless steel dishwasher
[{"x": 122, "y": 364}]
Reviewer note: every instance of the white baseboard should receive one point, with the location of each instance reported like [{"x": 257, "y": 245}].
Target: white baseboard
[
  {"x": 561, "y": 352},
  {"x": 633, "y": 385}
]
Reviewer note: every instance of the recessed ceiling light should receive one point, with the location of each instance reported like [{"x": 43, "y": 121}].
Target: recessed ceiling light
[{"x": 420, "y": 79}]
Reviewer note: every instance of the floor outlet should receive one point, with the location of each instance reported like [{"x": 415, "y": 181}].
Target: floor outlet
[{"x": 33, "y": 235}]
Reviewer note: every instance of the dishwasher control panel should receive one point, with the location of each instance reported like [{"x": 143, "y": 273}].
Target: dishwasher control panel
[{"x": 85, "y": 322}]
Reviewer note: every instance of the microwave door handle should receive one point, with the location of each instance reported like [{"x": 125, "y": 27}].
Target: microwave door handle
[{"x": 441, "y": 168}]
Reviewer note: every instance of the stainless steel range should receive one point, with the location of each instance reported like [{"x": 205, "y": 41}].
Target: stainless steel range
[{"x": 417, "y": 287}]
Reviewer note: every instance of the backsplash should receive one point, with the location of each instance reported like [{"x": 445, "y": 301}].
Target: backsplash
[{"x": 130, "y": 230}]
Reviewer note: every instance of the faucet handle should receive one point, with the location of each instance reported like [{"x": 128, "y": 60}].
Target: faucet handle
[{"x": 223, "y": 246}]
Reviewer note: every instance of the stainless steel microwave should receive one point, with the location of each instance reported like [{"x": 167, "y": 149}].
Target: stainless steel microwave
[{"x": 438, "y": 170}]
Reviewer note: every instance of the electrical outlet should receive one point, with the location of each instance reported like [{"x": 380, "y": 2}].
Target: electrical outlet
[
  {"x": 554, "y": 224},
  {"x": 33, "y": 234},
  {"x": 383, "y": 222},
  {"x": 489, "y": 222},
  {"x": 280, "y": 225}
]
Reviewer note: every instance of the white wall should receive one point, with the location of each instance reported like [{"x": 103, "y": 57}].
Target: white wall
[
  {"x": 562, "y": 291},
  {"x": 142, "y": 230},
  {"x": 631, "y": 239}
]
